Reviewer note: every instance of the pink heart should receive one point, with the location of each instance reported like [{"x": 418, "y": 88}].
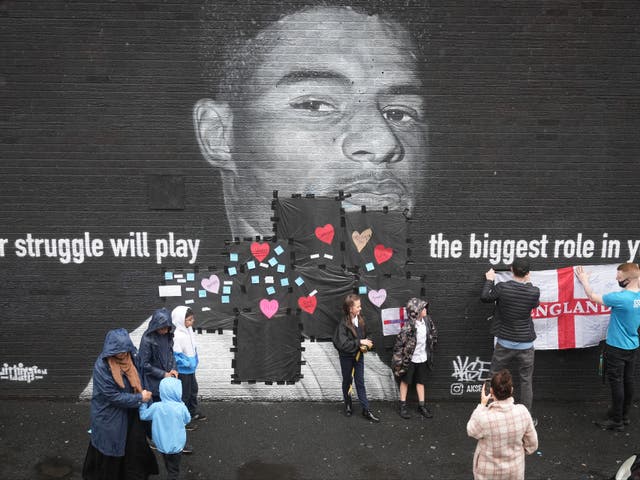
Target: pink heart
[
  {"x": 325, "y": 234},
  {"x": 382, "y": 253},
  {"x": 269, "y": 307},
  {"x": 211, "y": 284},
  {"x": 377, "y": 297}
]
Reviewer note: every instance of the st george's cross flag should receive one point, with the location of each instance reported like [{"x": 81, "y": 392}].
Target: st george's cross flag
[
  {"x": 566, "y": 318},
  {"x": 392, "y": 320}
]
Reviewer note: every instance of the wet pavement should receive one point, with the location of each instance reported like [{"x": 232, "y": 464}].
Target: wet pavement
[{"x": 43, "y": 440}]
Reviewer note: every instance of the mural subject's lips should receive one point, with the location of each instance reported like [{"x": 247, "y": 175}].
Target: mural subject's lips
[{"x": 387, "y": 192}]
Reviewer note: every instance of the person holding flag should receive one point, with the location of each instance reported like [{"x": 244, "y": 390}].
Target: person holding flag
[
  {"x": 513, "y": 325},
  {"x": 622, "y": 339}
]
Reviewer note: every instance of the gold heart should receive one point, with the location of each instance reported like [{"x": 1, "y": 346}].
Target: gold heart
[{"x": 361, "y": 239}]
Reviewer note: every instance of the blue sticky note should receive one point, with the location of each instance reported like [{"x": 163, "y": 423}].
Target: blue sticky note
[
  {"x": 369, "y": 266},
  {"x": 299, "y": 281},
  {"x": 278, "y": 250},
  {"x": 251, "y": 264},
  {"x": 191, "y": 277},
  {"x": 232, "y": 271},
  {"x": 202, "y": 293},
  {"x": 284, "y": 282},
  {"x": 271, "y": 290},
  {"x": 255, "y": 279},
  {"x": 362, "y": 290},
  {"x": 281, "y": 268},
  {"x": 226, "y": 290},
  {"x": 273, "y": 261},
  {"x": 233, "y": 257},
  {"x": 224, "y": 299},
  {"x": 168, "y": 275}
]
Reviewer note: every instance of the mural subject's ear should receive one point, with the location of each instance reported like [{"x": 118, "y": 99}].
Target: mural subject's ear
[{"x": 212, "y": 121}]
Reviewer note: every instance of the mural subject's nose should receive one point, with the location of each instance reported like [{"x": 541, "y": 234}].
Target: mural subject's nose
[{"x": 370, "y": 140}]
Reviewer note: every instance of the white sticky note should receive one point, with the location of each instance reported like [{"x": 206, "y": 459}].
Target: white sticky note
[{"x": 169, "y": 291}]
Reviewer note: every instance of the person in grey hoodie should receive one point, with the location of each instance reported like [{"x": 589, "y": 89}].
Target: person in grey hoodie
[{"x": 168, "y": 419}]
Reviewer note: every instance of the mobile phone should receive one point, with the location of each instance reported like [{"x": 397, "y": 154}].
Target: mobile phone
[{"x": 487, "y": 387}]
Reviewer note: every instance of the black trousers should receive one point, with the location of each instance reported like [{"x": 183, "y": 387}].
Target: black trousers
[
  {"x": 172, "y": 464},
  {"x": 190, "y": 391},
  {"x": 620, "y": 369}
]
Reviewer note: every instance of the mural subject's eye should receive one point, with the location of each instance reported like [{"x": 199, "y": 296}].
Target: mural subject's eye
[
  {"x": 313, "y": 105},
  {"x": 400, "y": 115}
]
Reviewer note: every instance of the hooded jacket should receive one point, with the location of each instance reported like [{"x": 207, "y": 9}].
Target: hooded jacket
[
  {"x": 405, "y": 343},
  {"x": 110, "y": 404},
  {"x": 184, "y": 342},
  {"x": 168, "y": 417},
  {"x": 156, "y": 351}
]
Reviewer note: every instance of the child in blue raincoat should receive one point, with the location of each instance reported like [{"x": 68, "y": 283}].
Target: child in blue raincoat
[{"x": 168, "y": 419}]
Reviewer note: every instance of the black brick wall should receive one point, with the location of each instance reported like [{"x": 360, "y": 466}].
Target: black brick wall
[{"x": 534, "y": 109}]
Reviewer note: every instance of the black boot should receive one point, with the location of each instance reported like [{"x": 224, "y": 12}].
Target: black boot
[
  {"x": 368, "y": 414},
  {"x": 348, "y": 410},
  {"x": 424, "y": 410},
  {"x": 404, "y": 413}
]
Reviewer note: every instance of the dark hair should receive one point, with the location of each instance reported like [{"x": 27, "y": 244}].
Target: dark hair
[
  {"x": 502, "y": 384},
  {"x": 188, "y": 313},
  {"x": 520, "y": 267},
  {"x": 229, "y": 62}
]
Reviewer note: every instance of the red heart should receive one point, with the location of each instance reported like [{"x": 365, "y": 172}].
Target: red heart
[
  {"x": 260, "y": 250},
  {"x": 382, "y": 253},
  {"x": 308, "y": 304},
  {"x": 325, "y": 234}
]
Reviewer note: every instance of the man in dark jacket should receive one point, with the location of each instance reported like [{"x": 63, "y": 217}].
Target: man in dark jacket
[{"x": 513, "y": 324}]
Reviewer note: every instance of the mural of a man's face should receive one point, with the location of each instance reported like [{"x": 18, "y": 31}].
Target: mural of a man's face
[{"x": 332, "y": 103}]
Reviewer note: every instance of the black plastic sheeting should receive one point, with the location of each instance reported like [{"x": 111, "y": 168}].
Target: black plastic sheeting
[{"x": 278, "y": 292}]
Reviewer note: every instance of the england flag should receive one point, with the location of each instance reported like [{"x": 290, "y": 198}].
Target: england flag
[
  {"x": 392, "y": 320},
  {"x": 566, "y": 318}
]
